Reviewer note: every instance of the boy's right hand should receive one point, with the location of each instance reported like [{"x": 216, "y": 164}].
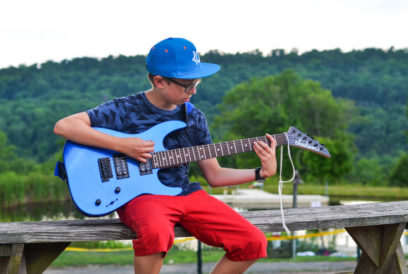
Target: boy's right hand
[{"x": 137, "y": 148}]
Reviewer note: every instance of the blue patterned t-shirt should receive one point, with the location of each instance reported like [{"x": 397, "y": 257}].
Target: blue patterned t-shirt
[{"x": 135, "y": 114}]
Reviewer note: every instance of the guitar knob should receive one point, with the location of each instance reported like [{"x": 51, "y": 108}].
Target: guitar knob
[
  {"x": 117, "y": 190},
  {"x": 98, "y": 202}
]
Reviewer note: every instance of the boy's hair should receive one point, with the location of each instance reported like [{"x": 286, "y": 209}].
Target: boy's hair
[{"x": 151, "y": 76}]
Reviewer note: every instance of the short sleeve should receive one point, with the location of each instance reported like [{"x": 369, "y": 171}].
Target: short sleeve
[
  {"x": 110, "y": 114},
  {"x": 203, "y": 136}
]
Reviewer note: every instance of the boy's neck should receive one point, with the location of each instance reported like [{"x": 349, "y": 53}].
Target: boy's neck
[{"x": 155, "y": 97}]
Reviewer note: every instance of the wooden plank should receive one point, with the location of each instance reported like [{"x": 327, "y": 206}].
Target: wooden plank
[
  {"x": 40, "y": 255},
  {"x": 365, "y": 265},
  {"x": 369, "y": 241},
  {"x": 16, "y": 263},
  {"x": 401, "y": 261},
  {"x": 266, "y": 220},
  {"x": 390, "y": 241},
  {"x": 5, "y": 250},
  {"x": 382, "y": 251}
]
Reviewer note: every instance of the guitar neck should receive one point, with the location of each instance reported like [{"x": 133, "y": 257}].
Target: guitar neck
[{"x": 175, "y": 157}]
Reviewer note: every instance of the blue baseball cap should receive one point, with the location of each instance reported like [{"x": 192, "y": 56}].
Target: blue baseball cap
[{"x": 178, "y": 58}]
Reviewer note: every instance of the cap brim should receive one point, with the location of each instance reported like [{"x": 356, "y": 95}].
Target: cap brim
[{"x": 204, "y": 70}]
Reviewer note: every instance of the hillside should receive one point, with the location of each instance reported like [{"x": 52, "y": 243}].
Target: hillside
[{"x": 33, "y": 97}]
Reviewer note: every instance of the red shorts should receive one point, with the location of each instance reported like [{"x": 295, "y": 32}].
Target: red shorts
[{"x": 153, "y": 217}]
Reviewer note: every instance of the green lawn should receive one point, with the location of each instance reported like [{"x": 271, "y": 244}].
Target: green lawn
[{"x": 175, "y": 256}]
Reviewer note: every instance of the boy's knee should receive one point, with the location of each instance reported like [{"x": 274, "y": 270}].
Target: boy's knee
[{"x": 251, "y": 247}]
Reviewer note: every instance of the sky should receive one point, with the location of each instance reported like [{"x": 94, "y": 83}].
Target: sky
[{"x": 36, "y": 31}]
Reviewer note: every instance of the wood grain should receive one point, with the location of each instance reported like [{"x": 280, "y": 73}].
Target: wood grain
[{"x": 266, "y": 220}]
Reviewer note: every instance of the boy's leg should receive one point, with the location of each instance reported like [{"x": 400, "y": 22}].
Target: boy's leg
[
  {"x": 150, "y": 264},
  {"x": 152, "y": 218},
  {"x": 217, "y": 224},
  {"x": 226, "y": 266}
]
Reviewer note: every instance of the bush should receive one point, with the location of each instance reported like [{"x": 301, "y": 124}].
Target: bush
[{"x": 399, "y": 175}]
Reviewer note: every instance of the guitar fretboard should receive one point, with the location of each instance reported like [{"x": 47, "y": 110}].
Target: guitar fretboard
[{"x": 175, "y": 157}]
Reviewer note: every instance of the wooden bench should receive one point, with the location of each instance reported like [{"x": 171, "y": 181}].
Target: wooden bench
[{"x": 30, "y": 247}]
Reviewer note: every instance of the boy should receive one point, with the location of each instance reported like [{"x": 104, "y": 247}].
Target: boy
[{"x": 175, "y": 71}]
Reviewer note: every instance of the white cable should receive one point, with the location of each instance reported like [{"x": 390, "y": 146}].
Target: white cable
[{"x": 282, "y": 182}]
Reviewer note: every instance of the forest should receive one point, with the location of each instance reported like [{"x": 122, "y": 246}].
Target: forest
[{"x": 354, "y": 102}]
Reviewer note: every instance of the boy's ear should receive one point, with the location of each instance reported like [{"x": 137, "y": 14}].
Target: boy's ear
[{"x": 158, "y": 81}]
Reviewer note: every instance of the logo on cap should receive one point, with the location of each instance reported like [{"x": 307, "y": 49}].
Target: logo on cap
[{"x": 196, "y": 57}]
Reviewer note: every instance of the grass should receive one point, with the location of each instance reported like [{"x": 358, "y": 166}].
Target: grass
[
  {"x": 175, "y": 256},
  {"x": 343, "y": 191}
]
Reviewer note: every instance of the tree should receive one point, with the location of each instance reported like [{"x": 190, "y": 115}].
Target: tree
[
  {"x": 273, "y": 104},
  {"x": 399, "y": 176}
]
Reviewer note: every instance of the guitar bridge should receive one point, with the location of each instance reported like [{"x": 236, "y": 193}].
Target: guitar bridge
[
  {"x": 145, "y": 168},
  {"x": 105, "y": 169}
]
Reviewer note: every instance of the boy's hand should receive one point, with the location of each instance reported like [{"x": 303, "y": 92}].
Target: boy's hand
[
  {"x": 267, "y": 155},
  {"x": 137, "y": 148}
]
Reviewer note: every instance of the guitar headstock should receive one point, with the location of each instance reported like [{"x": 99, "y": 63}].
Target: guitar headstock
[{"x": 301, "y": 140}]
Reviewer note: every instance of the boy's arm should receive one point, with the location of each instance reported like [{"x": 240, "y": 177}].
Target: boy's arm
[
  {"x": 77, "y": 128},
  {"x": 218, "y": 176}
]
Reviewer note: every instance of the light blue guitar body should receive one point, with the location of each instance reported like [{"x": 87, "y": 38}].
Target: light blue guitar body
[
  {"x": 85, "y": 173},
  {"x": 101, "y": 180}
]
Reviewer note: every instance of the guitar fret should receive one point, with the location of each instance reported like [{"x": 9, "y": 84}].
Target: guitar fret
[
  {"x": 188, "y": 154},
  {"x": 160, "y": 159},
  {"x": 169, "y": 158},
  {"x": 183, "y": 155},
  {"x": 175, "y": 157},
  {"x": 165, "y": 158},
  {"x": 179, "y": 160},
  {"x": 154, "y": 158},
  {"x": 203, "y": 151},
  {"x": 194, "y": 155},
  {"x": 209, "y": 150}
]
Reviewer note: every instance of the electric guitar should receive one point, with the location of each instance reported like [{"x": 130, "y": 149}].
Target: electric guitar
[{"x": 100, "y": 180}]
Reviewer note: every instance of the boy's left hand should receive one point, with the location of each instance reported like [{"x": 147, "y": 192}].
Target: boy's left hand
[{"x": 267, "y": 155}]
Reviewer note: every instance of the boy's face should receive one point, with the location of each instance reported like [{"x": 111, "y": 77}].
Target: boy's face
[
  {"x": 188, "y": 85},
  {"x": 178, "y": 91}
]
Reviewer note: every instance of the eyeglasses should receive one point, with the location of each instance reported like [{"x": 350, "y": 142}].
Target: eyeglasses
[{"x": 187, "y": 87}]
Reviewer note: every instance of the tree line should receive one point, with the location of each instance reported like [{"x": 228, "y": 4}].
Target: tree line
[{"x": 356, "y": 101}]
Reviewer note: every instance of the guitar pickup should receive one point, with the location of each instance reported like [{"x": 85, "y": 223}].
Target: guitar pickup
[
  {"x": 105, "y": 169},
  {"x": 121, "y": 166},
  {"x": 145, "y": 168}
]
